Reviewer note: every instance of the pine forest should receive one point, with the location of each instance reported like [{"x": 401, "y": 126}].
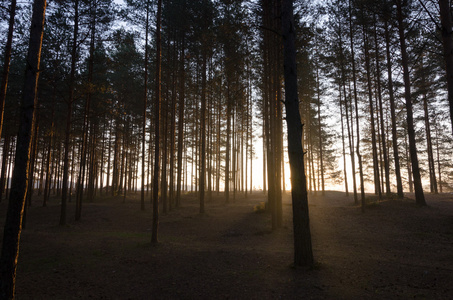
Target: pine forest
[{"x": 213, "y": 149}]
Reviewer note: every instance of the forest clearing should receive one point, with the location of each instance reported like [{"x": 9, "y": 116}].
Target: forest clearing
[{"x": 394, "y": 250}]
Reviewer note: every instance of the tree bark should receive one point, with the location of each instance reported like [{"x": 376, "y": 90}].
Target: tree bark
[
  {"x": 419, "y": 195},
  {"x": 180, "y": 125},
  {"x": 381, "y": 115},
  {"x": 13, "y": 223},
  {"x": 377, "y": 184},
  {"x": 447, "y": 39},
  {"x": 354, "y": 79},
  {"x": 145, "y": 100},
  {"x": 203, "y": 136},
  {"x": 303, "y": 253},
  {"x": 396, "y": 156},
  {"x": 7, "y": 61},
  {"x": 64, "y": 194},
  {"x": 154, "y": 238}
]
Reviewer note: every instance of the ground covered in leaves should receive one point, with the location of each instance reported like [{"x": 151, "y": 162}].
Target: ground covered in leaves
[{"x": 394, "y": 250}]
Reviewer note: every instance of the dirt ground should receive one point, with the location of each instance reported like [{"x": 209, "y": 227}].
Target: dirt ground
[{"x": 395, "y": 250}]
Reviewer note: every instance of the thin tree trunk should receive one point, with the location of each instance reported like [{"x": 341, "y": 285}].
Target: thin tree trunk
[
  {"x": 377, "y": 184},
  {"x": 429, "y": 143},
  {"x": 172, "y": 131},
  {"x": 145, "y": 100},
  {"x": 438, "y": 157},
  {"x": 64, "y": 194},
  {"x": 381, "y": 114},
  {"x": 164, "y": 137},
  {"x": 356, "y": 105},
  {"x": 318, "y": 100},
  {"x": 154, "y": 238},
  {"x": 180, "y": 124},
  {"x": 203, "y": 133},
  {"x": 41, "y": 177},
  {"x": 81, "y": 179},
  {"x": 33, "y": 157},
  {"x": 228, "y": 150},
  {"x": 343, "y": 146},
  {"x": 396, "y": 156}
]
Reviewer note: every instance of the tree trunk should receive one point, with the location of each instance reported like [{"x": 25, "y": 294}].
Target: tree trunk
[
  {"x": 180, "y": 125},
  {"x": 172, "y": 131},
  {"x": 228, "y": 150},
  {"x": 81, "y": 178},
  {"x": 7, "y": 61},
  {"x": 64, "y": 193},
  {"x": 203, "y": 133},
  {"x": 447, "y": 39},
  {"x": 377, "y": 183},
  {"x": 396, "y": 156},
  {"x": 154, "y": 238},
  {"x": 381, "y": 115},
  {"x": 303, "y": 254},
  {"x": 419, "y": 195},
  {"x": 356, "y": 105},
  {"x": 145, "y": 100},
  {"x": 343, "y": 145},
  {"x": 429, "y": 144},
  {"x": 13, "y": 222}
]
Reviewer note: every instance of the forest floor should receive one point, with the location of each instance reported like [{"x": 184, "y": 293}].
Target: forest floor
[{"x": 395, "y": 250}]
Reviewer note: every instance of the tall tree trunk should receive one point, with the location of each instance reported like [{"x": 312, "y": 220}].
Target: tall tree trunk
[
  {"x": 154, "y": 237},
  {"x": 13, "y": 222},
  {"x": 396, "y": 156},
  {"x": 33, "y": 158},
  {"x": 447, "y": 39},
  {"x": 438, "y": 157},
  {"x": 81, "y": 178},
  {"x": 303, "y": 253},
  {"x": 429, "y": 143},
  {"x": 7, "y": 61},
  {"x": 64, "y": 194},
  {"x": 145, "y": 102},
  {"x": 321, "y": 161},
  {"x": 164, "y": 137},
  {"x": 350, "y": 133},
  {"x": 419, "y": 195},
  {"x": 377, "y": 183},
  {"x": 203, "y": 133},
  {"x": 343, "y": 145},
  {"x": 381, "y": 114},
  {"x": 228, "y": 150},
  {"x": 218, "y": 141},
  {"x": 180, "y": 124},
  {"x": 41, "y": 177},
  {"x": 49, "y": 150},
  {"x": 172, "y": 130},
  {"x": 356, "y": 105}
]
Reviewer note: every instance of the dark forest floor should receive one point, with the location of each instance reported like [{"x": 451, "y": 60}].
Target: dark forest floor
[{"x": 394, "y": 250}]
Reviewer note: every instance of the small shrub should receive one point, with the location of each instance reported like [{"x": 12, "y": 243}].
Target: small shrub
[{"x": 260, "y": 208}]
